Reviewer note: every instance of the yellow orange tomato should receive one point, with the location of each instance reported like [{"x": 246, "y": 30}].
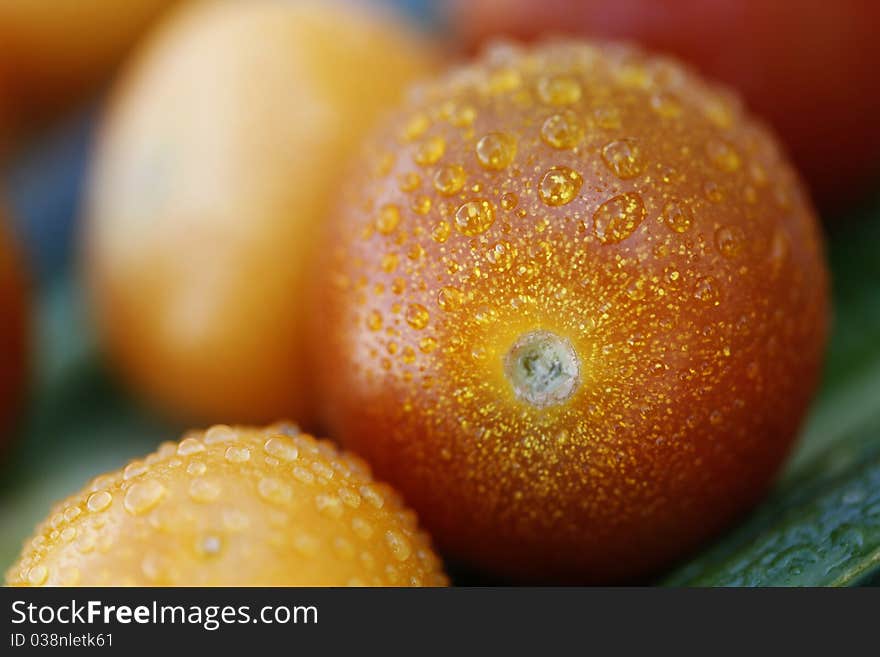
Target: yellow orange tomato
[
  {"x": 13, "y": 328},
  {"x": 53, "y": 50},
  {"x": 232, "y": 507},
  {"x": 573, "y": 304},
  {"x": 219, "y": 154}
]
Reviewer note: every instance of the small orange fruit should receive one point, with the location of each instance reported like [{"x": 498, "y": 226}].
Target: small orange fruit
[
  {"x": 218, "y": 158},
  {"x": 13, "y": 328},
  {"x": 576, "y": 317},
  {"x": 232, "y": 507}
]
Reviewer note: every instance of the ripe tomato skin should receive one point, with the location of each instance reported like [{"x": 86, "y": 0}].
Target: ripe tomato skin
[
  {"x": 807, "y": 67},
  {"x": 636, "y": 213},
  {"x": 13, "y": 329},
  {"x": 232, "y": 507},
  {"x": 214, "y": 168},
  {"x": 52, "y": 51}
]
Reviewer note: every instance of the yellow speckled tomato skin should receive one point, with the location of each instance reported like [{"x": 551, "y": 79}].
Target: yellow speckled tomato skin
[
  {"x": 214, "y": 169},
  {"x": 232, "y": 507},
  {"x": 13, "y": 329},
  {"x": 614, "y": 200},
  {"x": 51, "y": 51}
]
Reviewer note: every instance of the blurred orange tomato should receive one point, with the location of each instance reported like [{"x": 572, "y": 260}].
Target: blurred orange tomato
[
  {"x": 52, "y": 50},
  {"x": 13, "y": 328},
  {"x": 220, "y": 152},
  {"x": 808, "y": 67},
  {"x": 574, "y": 307}
]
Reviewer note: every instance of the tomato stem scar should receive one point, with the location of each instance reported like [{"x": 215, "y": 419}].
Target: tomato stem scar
[{"x": 542, "y": 368}]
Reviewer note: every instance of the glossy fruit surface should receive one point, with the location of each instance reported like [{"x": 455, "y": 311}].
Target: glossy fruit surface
[
  {"x": 808, "y": 67},
  {"x": 13, "y": 330},
  {"x": 232, "y": 507},
  {"x": 53, "y": 50},
  {"x": 573, "y": 305},
  {"x": 216, "y": 164}
]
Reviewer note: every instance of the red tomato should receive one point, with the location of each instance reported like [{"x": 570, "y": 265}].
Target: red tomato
[
  {"x": 13, "y": 329},
  {"x": 808, "y": 66},
  {"x": 574, "y": 308}
]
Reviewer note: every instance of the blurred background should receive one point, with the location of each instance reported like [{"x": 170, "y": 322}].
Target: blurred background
[{"x": 806, "y": 66}]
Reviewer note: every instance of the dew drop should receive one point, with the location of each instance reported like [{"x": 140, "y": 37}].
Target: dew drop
[
  {"x": 190, "y": 446},
  {"x": 421, "y": 205},
  {"x": 676, "y": 216},
  {"x": 449, "y": 298},
  {"x": 719, "y": 111},
  {"x": 502, "y": 256},
  {"x": 509, "y": 201},
  {"x": 220, "y": 434},
  {"x": 37, "y": 575},
  {"x": 722, "y": 155},
  {"x": 559, "y": 90},
  {"x": 196, "y": 468},
  {"x": 559, "y": 186},
  {"x": 398, "y": 544},
  {"x": 209, "y": 545},
  {"x": 713, "y": 191},
  {"x": 496, "y": 151},
  {"x": 463, "y": 116},
  {"x": 134, "y": 469},
  {"x": 235, "y": 520},
  {"x": 204, "y": 490},
  {"x": 236, "y": 454},
  {"x": 427, "y": 345},
  {"x": 99, "y": 501},
  {"x": 409, "y": 182},
  {"x": 417, "y": 125},
  {"x": 440, "y": 232},
  {"x": 373, "y": 496},
  {"x": 474, "y": 217},
  {"x": 143, "y": 496},
  {"x": 450, "y": 179},
  {"x": 430, "y": 151},
  {"x": 706, "y": 290},
  {"x": 349, "y": 497},
  {"x": 303, "y": 475},
  {"x": 730, "y": 241},
  {"x": 624, "y": 158},
  {"x": 504, "y": 80},
  {"x": 388, "y": 219},
  {"x": 417, "y": 316},
  {"x": 636, "y": 290},
  {"x": 666, "y": 105},
  {"x": 374, "y": 320},
  {"x": 329, "y": 505},
  {"x": 281, "y": 447},
  {"x": 608, "y": 117},
  {"x": 563, "y": 131},
  {"x": 618, "y": 218},
  {"x": 274, "y": 490},
  {"x": 389, "y": 262}
]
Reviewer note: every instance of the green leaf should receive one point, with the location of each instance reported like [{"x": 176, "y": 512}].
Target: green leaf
[
  {"x": 79, "y": 423},
  {"x": 821, "y": 526}
]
